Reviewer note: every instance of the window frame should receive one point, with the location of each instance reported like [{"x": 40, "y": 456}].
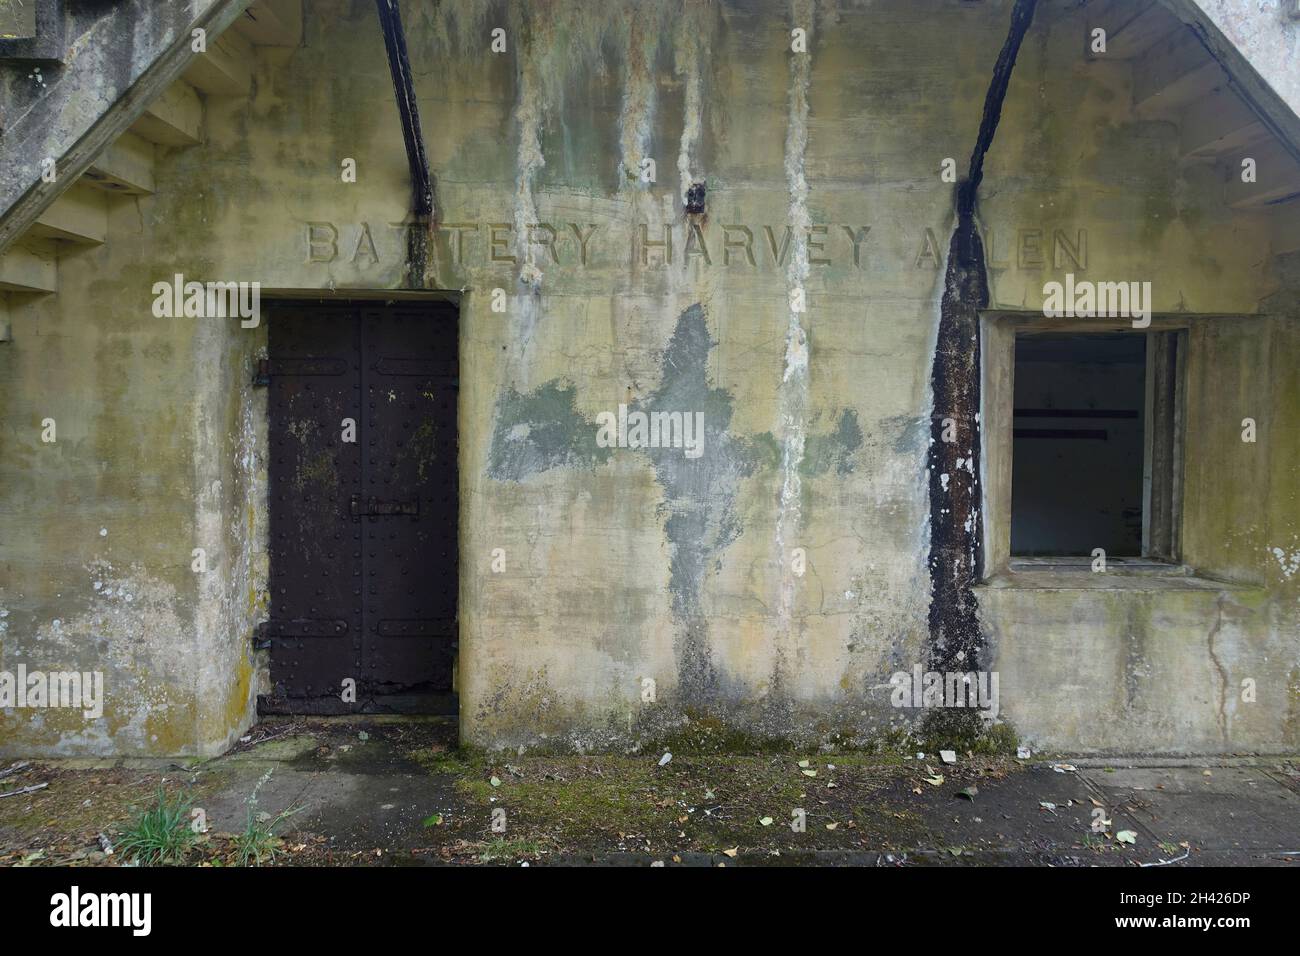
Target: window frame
[{"x": 1164, "y": 439}]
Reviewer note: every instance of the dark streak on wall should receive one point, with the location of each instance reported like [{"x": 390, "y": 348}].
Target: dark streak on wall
[
  {"x": 699, "y": 498},
  {"x": 419, "y": 235},
  {"x": 955, "y": 538}
]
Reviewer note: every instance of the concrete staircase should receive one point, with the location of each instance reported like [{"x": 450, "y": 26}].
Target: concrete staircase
[{"x": 74, "y": 151}]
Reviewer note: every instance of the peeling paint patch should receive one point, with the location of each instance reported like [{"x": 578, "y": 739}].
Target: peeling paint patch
[
  {"x": 835, "y": 450},
  {"x": 132, "y": 628},
  {"x": 699, "y": 498},
  {"x": 540, "y": 430},
  {"x": 1288, "y": 562},
  {"x": 543, "y": 429}
]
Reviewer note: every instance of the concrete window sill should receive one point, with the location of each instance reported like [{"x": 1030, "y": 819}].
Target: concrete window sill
[{"x": 1121, "y": 574}]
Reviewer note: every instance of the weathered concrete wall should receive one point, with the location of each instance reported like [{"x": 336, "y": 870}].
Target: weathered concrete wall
[
  {"x": 156, "y": 453},
  {"x": 623, "y": 564}
]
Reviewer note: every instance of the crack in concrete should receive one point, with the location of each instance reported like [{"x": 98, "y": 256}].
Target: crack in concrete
[
  {"x": 955, "y": 538},
  {"x": 1218, "y": 666}
]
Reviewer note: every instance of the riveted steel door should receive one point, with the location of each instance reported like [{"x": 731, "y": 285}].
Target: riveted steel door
[{"x": 363, "y": 504}]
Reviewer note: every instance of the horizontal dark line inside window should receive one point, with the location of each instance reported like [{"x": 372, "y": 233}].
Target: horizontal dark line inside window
[
  {"x": 1077, "y": 413},
  {"x": 1092, "y": 434}
]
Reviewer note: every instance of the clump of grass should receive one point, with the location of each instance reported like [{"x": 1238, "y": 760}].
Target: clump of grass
[
  {"x": 501, "y": 849},
  {"x": 161, "y": 833},
  {"x": 999, "y": 739},
  {"x": 258, "y": 843},
  {"x": 704, "y": 733}
]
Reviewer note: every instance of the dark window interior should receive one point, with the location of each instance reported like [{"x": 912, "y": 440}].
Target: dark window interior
[{"x": 1077, "y": 451}]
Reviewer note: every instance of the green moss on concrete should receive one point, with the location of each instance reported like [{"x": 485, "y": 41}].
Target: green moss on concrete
[{"x": 965, "y": 731}]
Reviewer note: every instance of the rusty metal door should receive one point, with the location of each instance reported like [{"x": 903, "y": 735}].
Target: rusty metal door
[{"x": 363, "y": 507}]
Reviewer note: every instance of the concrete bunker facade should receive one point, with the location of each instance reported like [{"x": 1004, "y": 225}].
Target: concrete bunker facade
[{"x": 610, "y": 587}]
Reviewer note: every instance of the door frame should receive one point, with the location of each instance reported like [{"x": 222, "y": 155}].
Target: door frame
[{"x": 274, "y": 299}]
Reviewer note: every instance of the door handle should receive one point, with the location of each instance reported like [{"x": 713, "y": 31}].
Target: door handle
[{"x": 374, "y": 506}]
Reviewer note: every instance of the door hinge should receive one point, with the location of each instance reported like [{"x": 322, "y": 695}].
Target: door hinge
[
  {"x": 267, "y": 630},
  {"x": 266, "y": 367}
]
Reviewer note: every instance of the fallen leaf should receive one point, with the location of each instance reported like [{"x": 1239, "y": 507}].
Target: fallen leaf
[
  {"x": 1126, "y": 836},
  {"x": 732, "y": 852},
  {"x": 935, "y": 780}
]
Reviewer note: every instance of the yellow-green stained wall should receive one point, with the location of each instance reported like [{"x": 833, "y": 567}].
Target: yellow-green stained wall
[{"x": 618, "y": 572}]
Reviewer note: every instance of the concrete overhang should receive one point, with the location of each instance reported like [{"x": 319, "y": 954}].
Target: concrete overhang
[{"x": 1258, "y": 43}]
